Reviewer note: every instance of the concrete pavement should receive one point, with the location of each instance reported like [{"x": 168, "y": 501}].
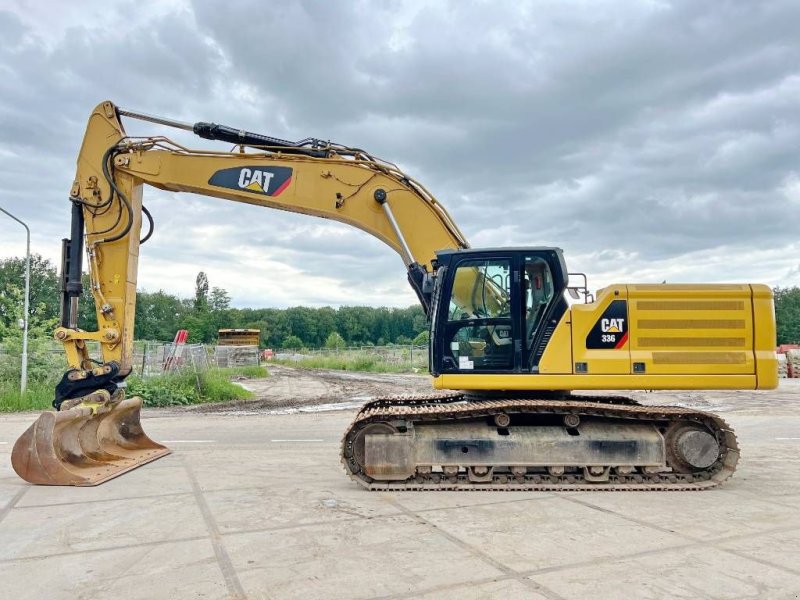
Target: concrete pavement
[{"x": 258, "y": 506}]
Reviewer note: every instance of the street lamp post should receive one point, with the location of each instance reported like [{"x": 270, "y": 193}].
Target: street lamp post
[{"x": 24, "y": 375}]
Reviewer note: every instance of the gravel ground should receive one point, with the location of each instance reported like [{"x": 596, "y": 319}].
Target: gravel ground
[{"x": 294, "y": 387}]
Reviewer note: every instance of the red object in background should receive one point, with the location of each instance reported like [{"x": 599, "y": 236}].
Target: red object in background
[
  {"x": 172, "y": 360},
  {"x": 791, "y": 372},
  {"x": 267, "y": 354}
]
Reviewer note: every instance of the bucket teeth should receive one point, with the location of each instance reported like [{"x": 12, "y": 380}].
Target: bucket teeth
[{"x": 81, "y": 446}]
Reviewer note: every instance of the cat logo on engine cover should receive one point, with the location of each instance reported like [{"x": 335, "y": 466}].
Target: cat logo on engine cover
[
  {"x": 611, "y": 329},
  {"x": 267, "y": 181}
]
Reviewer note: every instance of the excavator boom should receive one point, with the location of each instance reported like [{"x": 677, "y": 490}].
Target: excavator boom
[{"x": 94, "y": 433}]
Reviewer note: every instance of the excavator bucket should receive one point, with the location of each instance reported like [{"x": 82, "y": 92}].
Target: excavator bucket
[{"x": 85, "y": 445}]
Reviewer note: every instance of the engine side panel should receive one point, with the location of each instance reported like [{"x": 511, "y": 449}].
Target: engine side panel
[
  {"x": 691, "y": 336},
  {"x": 692, "y": 329}
]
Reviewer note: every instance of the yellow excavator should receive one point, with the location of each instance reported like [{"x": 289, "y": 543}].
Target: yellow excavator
[{"x": 506, "y": 346}]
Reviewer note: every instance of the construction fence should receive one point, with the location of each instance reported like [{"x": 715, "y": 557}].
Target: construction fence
[
  {"x": 157, "y": 358},
  {"x": 400, "y": 356}
]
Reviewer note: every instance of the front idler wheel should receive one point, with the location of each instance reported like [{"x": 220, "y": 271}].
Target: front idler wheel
[
  {"x": 359, "y": 440},
  {"x": 692, "y": 447}
]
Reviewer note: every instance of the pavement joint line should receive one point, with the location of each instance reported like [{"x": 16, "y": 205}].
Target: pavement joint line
[
  {"x": 100, "y": 500},
  {"x": 761, "y": 561},
  {"x": 630, "y": 519},
  {"x": 282, "y": 441},
  {"x": 455, "y": 540},
  {"x": 641, "y": 553},
  {"x": 232, "y": 581},
  {"x": 444, "y": 587},
  {"x": 359, "y": 517},
  {"x": 309, "y": 524},
  {"x": 750, "y": 534},
  {"x": 773, "y": 500},
  {"x": 525, "y": 579},
  {"x": 240, "y": 488},
  {"x": 699, "y": 541},
  {"x": 196, "y": 538},
  {"x": 505, "y": 569},
  {"x": 685, "y": 536},
  {"x": 605, "y": 559},
  {"x": 539, "y": 588},
  {"x": 13, "y": 502}
]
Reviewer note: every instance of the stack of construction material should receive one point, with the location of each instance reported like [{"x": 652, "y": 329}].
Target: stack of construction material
[
  {"x": 793, "y": 360},
  {"x": 783, "y": 372},
  {"x": 236, "y": 356}
]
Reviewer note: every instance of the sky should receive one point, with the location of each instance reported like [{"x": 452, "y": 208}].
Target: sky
[{"x": 651, "y": 141}]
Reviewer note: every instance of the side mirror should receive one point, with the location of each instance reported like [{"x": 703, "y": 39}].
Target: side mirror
[{"x": 573, "y": 293}]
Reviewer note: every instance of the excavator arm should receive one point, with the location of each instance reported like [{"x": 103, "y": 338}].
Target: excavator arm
[
  {"x": 96, "y": 433},
  {"x": 328, "y": 181},
  {"x": 324, "y": 180}
]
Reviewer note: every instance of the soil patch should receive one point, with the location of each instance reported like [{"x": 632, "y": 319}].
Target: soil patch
[{"x": 291, "y": 387}]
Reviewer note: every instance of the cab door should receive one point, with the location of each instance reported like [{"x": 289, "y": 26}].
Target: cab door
[{"x": 481, "y": 332}]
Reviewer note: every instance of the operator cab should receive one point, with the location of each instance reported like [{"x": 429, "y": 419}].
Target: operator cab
[{"x": 494, "y": 310}]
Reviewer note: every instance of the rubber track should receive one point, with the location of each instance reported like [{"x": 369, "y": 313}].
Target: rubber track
[{"x": 447, "y": 406}]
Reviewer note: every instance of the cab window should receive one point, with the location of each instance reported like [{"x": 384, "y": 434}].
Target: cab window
[
  {"x": 479, "y": 331},
  {"x": 481, "y": 289}
]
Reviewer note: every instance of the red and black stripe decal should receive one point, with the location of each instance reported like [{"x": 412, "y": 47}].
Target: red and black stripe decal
[
  {"x": 622, "y": 341},
  {"x": 282, "y": 187}
]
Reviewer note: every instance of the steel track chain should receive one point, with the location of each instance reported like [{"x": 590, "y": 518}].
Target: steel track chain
[{"x": 445, "y": 406}]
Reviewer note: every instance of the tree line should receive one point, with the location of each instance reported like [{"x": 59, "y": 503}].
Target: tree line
[{"x": 159, "y": 314}]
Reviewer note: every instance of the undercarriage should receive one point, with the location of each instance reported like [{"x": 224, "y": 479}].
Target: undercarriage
[{"x": 460, "y": 442}]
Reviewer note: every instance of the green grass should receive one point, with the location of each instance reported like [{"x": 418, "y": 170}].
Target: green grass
[
  {"x": 177, "y": 389},
  {"x": 250, "y": 372},
  {"x": 180, "y": 389},
  {"x": 38, "y": 396},
  {"x": 345, "y": 362}
]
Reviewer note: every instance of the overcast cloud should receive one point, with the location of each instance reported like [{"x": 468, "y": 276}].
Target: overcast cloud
[{"x": 651, "y": 140}]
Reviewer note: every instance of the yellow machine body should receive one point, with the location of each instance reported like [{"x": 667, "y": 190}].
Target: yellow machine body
[{"x": 678, "y": 337}]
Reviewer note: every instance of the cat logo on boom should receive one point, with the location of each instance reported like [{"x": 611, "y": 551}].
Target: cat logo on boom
[
  {"x": 256, "y": 180},
  {"x": 266, "y": 181}
]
